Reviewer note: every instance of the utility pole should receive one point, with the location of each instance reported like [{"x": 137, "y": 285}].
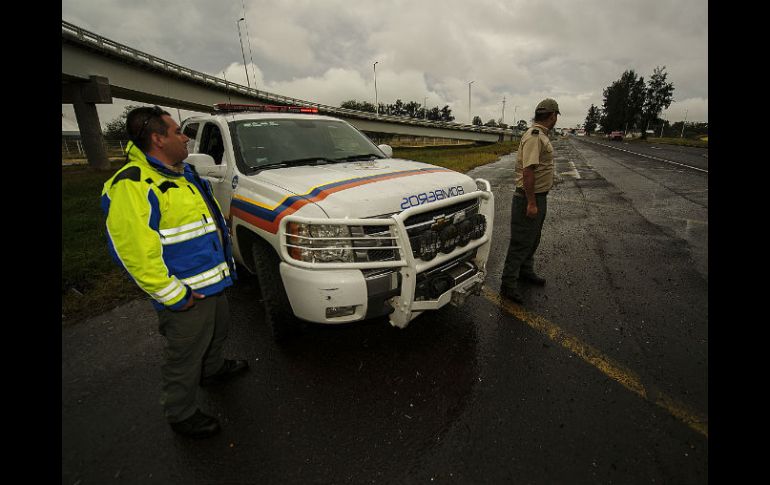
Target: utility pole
[
  {"x": 240, "y": 40},
  {"x": 684, "y": 122},
  {"x": 376, "y": 105},
  {"x": 425, "y": 107},
  {"x": 470, "y": 120},
  {"x": 662, "y": 124},
  {"x": 248, "y": 38},
  {"x": 514, "y": 114},
  {"x": 502, "y": 118}
]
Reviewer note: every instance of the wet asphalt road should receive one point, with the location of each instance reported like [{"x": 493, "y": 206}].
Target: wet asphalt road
[{"x": 468, "y": 395}]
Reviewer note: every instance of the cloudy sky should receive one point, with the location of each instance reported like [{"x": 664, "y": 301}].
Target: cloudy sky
[{"x": 323, "y": 50}]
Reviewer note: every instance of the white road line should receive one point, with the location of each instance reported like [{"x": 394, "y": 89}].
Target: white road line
[{"x": 650, "y": 156}]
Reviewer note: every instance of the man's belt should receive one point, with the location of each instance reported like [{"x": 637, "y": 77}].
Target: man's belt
[{"x": 520, "y": 191}]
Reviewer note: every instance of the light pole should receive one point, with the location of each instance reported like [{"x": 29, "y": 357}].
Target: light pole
[
  {"x": 514, "y": 115},
  {"x": 240, "y": 40},
  {"x": 425, "y": 107},
  {"x": 376, "y": 101},
  {"x": 470, "y": 120},
  {"x": 684, "y": 122},
  {"x": 502, "y": 118}
]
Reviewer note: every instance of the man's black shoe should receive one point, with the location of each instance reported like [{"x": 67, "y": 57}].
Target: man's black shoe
[
  {"x": 198, "y": 425},
  {"x": 228, "y": 370},
  {"x": 511, "y": 294},
  {"x": 532, "y": 278}
]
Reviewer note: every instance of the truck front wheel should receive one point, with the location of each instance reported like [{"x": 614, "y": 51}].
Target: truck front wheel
[{"x": 278, "y": 313}]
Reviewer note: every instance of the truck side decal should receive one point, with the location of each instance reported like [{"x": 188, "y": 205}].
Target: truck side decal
[{"x": 268, "y": 219}]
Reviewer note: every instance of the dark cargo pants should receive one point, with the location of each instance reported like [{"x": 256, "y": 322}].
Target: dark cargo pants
[
  {"x": 525, "y": 238},
  {"x": 194, "y": 345}
]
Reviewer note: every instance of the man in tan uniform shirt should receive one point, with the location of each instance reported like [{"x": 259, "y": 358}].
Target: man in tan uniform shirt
[{"x": 534, "y": 178}]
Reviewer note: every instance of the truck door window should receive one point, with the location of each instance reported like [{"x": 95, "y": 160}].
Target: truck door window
[{"x": 211, "y": 142}]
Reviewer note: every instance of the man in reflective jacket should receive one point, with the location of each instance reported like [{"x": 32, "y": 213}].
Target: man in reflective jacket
[{"x": 166, "y": 230}]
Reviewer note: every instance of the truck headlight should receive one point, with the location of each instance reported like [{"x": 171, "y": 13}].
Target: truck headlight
[{"x": 319, "y": 243}]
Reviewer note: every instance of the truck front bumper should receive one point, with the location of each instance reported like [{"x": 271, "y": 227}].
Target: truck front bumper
[{"x": 346, "y": 292}]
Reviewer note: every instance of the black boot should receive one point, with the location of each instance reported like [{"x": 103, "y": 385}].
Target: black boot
[
  {"x": 228, "y": 370},
  {"x": 198, "y": 425},
  {"x": 532, "y": 278},
  {"x": 511, "y": 293}
]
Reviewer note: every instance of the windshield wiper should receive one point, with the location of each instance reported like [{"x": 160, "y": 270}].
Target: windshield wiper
[
  {"x": 266, "y": 167},
  {"x": 309, "y": 160},
  {"x": 298, "y": 161},
  {"x": 363, "y": 156}
]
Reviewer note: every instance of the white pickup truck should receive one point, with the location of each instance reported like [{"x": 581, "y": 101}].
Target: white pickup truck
[{"x": 335, "y": 229}]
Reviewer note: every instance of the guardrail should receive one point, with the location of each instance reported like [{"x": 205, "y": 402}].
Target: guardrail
[{"x": 106, "y": 46}]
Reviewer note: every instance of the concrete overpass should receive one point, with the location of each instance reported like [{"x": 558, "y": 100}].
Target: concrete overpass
[{"x": 94, "y": 69}]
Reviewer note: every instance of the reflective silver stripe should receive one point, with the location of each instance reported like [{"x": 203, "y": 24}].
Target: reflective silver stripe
[
  {"x": 209, "y": 277},
  {"x": 189, "y": 235},
  {"x": 170, "y": 292},
  {"x": 186, "y": 227}
]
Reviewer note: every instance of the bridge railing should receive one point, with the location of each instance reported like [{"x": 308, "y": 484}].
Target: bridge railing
[{"x": 84, "y": 37}]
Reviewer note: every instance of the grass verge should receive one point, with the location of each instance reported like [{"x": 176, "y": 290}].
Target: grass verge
[
  {"x": 93, "y": 284},
  {"x": 459, "y": 159},
  {"x": 685, "y": 142}
]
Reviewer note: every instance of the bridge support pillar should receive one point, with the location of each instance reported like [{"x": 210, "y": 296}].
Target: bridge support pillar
[{"x": 84, "y": 97}]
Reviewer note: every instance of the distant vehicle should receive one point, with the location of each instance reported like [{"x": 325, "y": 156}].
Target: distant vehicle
[
  {"x": 616, "y": 135},
  {"x": 580, "y": 132}
]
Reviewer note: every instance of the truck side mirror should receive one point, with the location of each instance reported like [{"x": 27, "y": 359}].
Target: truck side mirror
[
  {"x": 205, "y": 166},
  {"x": 387, "y": 150}
]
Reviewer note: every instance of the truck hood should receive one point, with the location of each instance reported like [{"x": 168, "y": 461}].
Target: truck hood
[{"x": 369, "y": 188}]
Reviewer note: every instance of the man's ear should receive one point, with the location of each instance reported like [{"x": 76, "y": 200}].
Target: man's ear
[{"x": 156, "y": 140}]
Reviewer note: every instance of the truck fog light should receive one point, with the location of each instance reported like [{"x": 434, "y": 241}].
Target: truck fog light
[{"x": 340, "y": 311}]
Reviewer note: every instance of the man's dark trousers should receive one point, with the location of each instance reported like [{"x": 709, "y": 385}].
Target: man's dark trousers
[
  {"x": 194, "y": 347},
  {"x": 525, "y": 238}
]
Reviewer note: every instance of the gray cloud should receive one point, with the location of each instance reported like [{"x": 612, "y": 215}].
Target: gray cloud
[{"x": 524, "y": 51}]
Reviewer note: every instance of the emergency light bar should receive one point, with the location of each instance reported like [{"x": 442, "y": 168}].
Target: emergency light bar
[{"x": 263, "y": 108}]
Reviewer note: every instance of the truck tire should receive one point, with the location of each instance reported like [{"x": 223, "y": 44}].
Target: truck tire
[{"x": 278, "y": 313}]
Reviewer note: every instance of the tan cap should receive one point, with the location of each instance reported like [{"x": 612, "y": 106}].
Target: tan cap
[{"x": 547, "y": 105}]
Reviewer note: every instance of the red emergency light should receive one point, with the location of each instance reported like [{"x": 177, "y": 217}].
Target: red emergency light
[{"x": 230, "y": 107}]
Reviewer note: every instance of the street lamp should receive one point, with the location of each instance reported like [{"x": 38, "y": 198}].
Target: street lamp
[
  {"x": 470, "y": 120},
  {"x": 424, "y": 107},
  {"x": 684, "y": 122},
  {"x": 240, "y": 40},
  {"x": 502, "y": 118},
  {"x": 376, "y": 101},
  {"x": 514, "y": 115}
]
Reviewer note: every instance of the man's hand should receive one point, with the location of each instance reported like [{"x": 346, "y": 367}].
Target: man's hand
[
  {"x": 191, "y": 302},
  {"x": 531, "y": 210}
]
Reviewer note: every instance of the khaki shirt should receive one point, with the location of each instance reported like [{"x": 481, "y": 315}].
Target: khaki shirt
[{"x": 535, "y": 149}]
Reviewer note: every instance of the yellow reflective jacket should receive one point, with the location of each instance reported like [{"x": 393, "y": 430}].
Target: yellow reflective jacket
[{"x": 167, "y": 231}]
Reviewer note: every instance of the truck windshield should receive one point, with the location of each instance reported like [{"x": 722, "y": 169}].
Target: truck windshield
[{"x": 274, "y": 142}]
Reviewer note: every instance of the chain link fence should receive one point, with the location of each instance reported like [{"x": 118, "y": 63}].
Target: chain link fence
[{"x": 73, "y": 148}]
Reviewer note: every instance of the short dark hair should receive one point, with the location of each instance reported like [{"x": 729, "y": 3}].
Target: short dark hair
[
  {"x": 543, "y": 115},
  {"x": 142, "y": 122}
]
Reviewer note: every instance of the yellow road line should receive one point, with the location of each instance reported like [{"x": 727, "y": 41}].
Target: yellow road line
[{"x": 606, "y": 365}]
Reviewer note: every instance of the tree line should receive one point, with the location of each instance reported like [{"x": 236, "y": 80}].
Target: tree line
[
  {"x": 630, "y": 103},
  {"x": 412, "y": 109}
]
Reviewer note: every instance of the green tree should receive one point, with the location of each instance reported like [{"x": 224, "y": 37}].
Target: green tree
[
  {"x": 659, "y": 95},
  {"x": 413, "y": 110},
  {"x": 623, "y": 103},
  {"x": 522, "y": 125},
  {"x": 116, "y": 129},
  {"x": 477, "y": 121},
  {"x": 592, "y": 119},
  {"x": 491, "y": 123},
  {"x": 358, "y": 106},
  {"x": 446, "y": 113}
]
